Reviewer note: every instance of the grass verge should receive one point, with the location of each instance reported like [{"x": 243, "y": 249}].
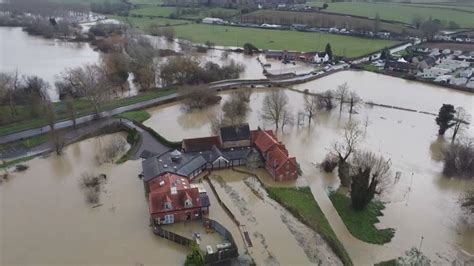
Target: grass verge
[
  {"x": 361, "y": 224},
  {"x": 24, "y": 122},
  {"x": 301, "y": 203},
  {"x": 138, "y": 116},
  {"x": 27, "y": 143},
  {"x": 17, "y": 161},
  {"x": 160, "y": 138},
  {"x": 342, "y": 45}
]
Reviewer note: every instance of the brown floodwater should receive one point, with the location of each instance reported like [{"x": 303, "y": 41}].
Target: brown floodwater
[
  {"x": 45, "y": 220},
  {"x": 384, "y": 89},
  {"x": 46, "y": 58},
  {"x": 422, "y": 204},
  {"x": 277, "y": 237}
]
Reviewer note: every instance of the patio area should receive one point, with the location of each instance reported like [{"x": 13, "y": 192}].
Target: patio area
[{"x": 197, "y": 231}]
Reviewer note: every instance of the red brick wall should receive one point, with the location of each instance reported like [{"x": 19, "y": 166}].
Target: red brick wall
[{"x": 179, "y": 216}]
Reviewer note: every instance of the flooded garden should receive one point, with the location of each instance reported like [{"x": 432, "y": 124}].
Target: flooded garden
[
  {"x": 48, "y": 217},
  {"x": 409, "y": 139}
]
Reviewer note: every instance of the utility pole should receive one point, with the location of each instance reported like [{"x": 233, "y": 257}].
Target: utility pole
[{"x": 419, "y": 249}]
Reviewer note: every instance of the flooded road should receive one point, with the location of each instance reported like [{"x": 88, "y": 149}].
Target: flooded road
[
  {"x": 44, "y": 218},
  {"x": 33, "y": 55},
  {"x": 408, "y": 139}
]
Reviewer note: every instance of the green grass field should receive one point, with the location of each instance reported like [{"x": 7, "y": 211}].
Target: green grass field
[
  {"x": 361, "y": 223},
  {"x": 301, "y": 203},
  {"x": 198, "y": 13},
  {"x": 138, "y": 116},
  {"x": 402, "y": 13},
  {"x": 279, "y": 40},
  {"x": 144, "y": 23},
  {"x": 160, "y": 11},
  {"x": 445, "y": 6}
]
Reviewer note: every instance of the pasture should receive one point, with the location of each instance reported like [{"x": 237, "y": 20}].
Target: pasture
[
  {"x": 280, "y": 40},
  {"x": 402, "y": 12}
]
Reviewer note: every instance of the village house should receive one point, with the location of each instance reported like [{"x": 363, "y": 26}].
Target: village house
[
  {"x": 397, "y": 66},
  {"x": 232, "y": 147},
  {"x": 458, "y": 81},
  {"x": 213, "y": 21},
  {"x": 320, "y": 58},
  {"x": 309, "y": 57},
  {"x": 423, "y": 62},
  {"x": 235, "y": 136},
  {"x": 277, "y": 162},
  {"x": 443, "y": 78},
  {"x": 452, "y": 65},
  {"x": 433, "y": 72},
  {"x": 173, "y": 199}
]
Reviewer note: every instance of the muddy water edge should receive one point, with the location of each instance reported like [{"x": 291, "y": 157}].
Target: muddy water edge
[
  {"x": 45, "y": 219},
  {"x": 409, "y": 139}
]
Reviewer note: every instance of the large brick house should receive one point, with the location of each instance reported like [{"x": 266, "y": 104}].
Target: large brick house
[
  {"x": 173, "y": 199},
  {"x": 277, "y": 161},
  {"x": 167, "y": 177}
]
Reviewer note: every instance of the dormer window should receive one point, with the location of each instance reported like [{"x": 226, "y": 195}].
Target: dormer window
[
  {"x": 188, "y": 203},
  {"x": 168, "y": 206}
]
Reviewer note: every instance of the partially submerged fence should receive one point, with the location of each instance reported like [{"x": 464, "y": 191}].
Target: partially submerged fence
[
  {"x": 219, "y": 256},
  {"x": 223, "y": 254}
]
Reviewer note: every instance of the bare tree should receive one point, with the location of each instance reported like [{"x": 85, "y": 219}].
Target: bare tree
[
  {"x": 343, "y": 149},
  {"x": 342, "y": 93},
  {"x": 461, "y": 120},
  {"x": 459, "y": 159},
  {"x": 310, "y": 106},
  {"x": 286, "y": 119},
  {"x": 235, "y": 109},
  {"x": 325, "y": 101},
  {"x": 8, "y": 87},
  {"x": 351, "y": 138},
  {"x": 55, "y": 136},
  {"x": 198, "y": 97},
  {"x": 71, "y": 109},
  {"x": 274, "y": 106},
  {"x": 366, "y": 124},
  {"x": 89, "y": 81},
  {"x": 354, "y": 100},
  {"x": 370, "y": 176},
  {"x": 467, "y": 201}
]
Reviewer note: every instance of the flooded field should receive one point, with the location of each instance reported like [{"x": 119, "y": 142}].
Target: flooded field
[
  {"x": 408, "y": 139},
  {"x": 45, "y": 219},
  {"x": 32, "y": 55},
  {"x": 384, "y": 89}
]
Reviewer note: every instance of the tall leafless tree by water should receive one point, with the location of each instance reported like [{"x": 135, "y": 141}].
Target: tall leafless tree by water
[{"x": 275, "y": 104}]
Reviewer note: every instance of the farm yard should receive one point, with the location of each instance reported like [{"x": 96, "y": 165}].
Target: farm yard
[{"x": 403, "y": 13}]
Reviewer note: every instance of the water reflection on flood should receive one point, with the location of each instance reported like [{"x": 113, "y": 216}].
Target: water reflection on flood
[
  {"x": 44, "y": 218},
  {"x": 32, "y": 55},
  {"x": 422, "y": 203},
  {"x": 384, "y": 89}
]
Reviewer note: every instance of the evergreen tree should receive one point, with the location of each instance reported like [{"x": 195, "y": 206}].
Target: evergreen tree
[
  {"x": 362, "y": 189},
  {"x": 445, "y": 118},
  {"x": 328, "y": 51}
]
